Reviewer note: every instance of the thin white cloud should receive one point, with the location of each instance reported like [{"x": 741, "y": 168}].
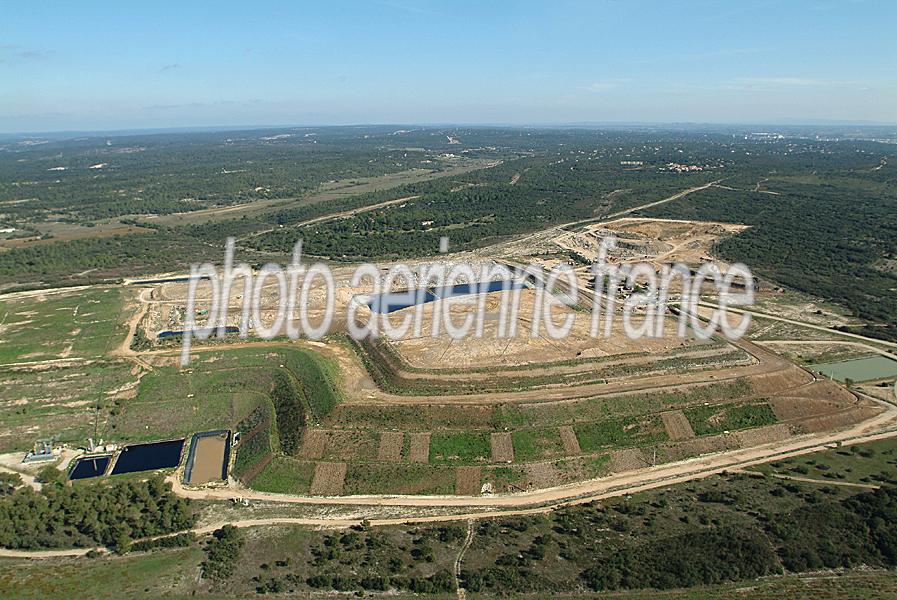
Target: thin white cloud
[{"x": 605, "y": 85}]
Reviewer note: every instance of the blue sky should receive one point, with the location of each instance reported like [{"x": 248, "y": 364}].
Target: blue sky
[{"x": 111, "y": 65}]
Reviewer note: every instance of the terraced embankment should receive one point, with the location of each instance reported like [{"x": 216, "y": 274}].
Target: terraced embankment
[{"x": 502, "y": 441}]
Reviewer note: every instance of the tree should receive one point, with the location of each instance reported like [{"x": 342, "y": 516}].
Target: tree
[{"x": 9, "y": 482}]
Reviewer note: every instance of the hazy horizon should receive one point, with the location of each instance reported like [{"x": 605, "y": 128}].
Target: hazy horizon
[{"x": 435, "y": 125}]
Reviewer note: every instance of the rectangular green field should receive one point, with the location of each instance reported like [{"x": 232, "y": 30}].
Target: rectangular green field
[
  {"x": 382, "y": 478},
  {"x": 710, "y": 420},
  {"x": 285, "y": 475},
  {"x": 620, "y": 433},
  {"x": 465, "y": 447},
  {"x": 536, "y": 444}
]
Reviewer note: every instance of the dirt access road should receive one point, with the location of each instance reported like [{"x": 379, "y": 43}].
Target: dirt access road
[
  {"x": 496, "y": 250},
  {"x": 770, "y": 317},
  {"x": 677, "y": 196},
  {"x": 333, "y": 216}
]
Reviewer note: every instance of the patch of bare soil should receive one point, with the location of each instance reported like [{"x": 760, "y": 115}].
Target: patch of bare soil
[
  {"x": 763, "y": 435},
  {"x": 568, "y": 437},
  {"x": 839, "y": 420},
  {"x": 467, "y": 481},
  {"x": 629, "y": 459},
  {"x": 502, "y": 447},
  {"x": 328, "y": 479},
  {"x": 350, "y": 445},
  {"x": 677, "y": 425},
  {"x": 157, "y": 360},
  {"x": 542, "y": 475},
  {"x": 769, "y": 383},
  {"x": 313, "y": 444},
  {"x": 824, "y": 390},
  {"x": 419, "y": 447},
  {"x": 391, "y": 446},
  {"x": 698, "y": 446},
  {"x": 492, "y": 349},
  {"x": 787, "y": 409},
  {"x": 882, "y": 393}
]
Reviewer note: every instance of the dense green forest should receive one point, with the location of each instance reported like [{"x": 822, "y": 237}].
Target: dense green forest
[{"x": 91, "y": 514}]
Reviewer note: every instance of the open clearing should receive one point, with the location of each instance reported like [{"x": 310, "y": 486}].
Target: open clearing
[
  {"x": 677, "y": 425},
  {"x": 328, "y": 479},
  {"x": 390, "y": 446},
  {"x": 502, "y": 447},
  {"x": 419, "y": 447},
  {"x": 61, "y": 324}
]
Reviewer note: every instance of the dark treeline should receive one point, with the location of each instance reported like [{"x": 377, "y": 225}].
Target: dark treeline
[
  {"x": 108, "y": 259},
  {"x": 289, "y": 412}
]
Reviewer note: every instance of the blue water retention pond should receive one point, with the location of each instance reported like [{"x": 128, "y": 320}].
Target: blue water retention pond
[
  {"x": 178, "y": 333},
  {"x": 90, "y": 466},
  {"x": 392, "y": 301},
  {"x": 149, "y": 457}
]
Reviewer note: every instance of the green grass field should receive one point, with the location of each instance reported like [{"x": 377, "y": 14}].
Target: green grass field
[
  {"x": 219, "y": 389},
  {"x": 467, "y": 446},
  {"x": 601, "y": 435},
  {"x": 285, "y": 475},
  {"x": 536, "y": 444},
  {"x": 82, "y": 324},
  {"x": 133, "y": 576},
  {"x": 710, "y": 420}
]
